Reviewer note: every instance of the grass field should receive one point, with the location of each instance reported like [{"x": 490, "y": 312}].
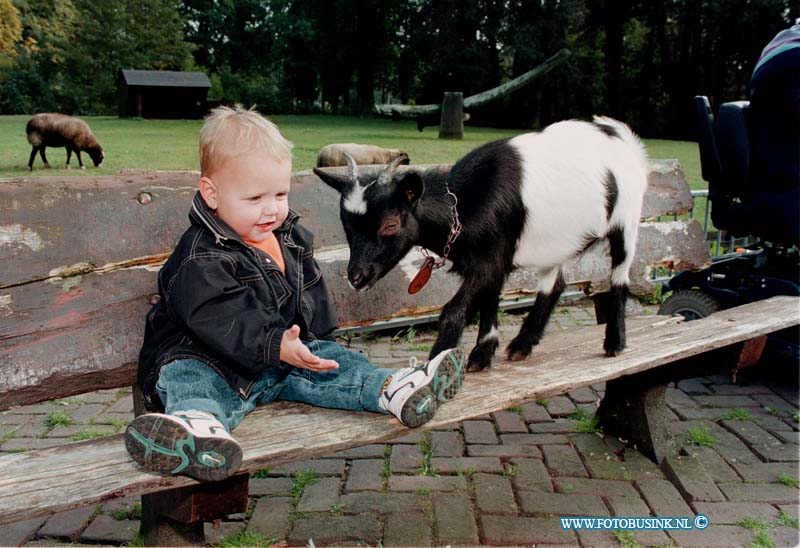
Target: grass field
[{"x": 172, "y": 144}]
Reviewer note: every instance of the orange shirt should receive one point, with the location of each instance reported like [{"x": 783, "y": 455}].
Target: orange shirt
[{"x": 271, "y": 247}]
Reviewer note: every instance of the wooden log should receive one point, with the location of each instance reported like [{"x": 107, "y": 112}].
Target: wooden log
[
  {"x": 44, "y": 481},
  {"x": 452, "y": 124}
]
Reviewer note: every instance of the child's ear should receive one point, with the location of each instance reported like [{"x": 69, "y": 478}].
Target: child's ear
[{"x": 208, "y": 190}]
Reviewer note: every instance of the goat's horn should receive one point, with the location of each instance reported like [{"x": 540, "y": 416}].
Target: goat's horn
[
  {"x": 388, "y": 173},
  {"x": 352, "y": 168}
]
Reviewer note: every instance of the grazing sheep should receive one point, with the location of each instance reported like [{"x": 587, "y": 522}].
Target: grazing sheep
[
  {"x": 333, "y": 155},
  {"x": 536, "y": 200},
  {"x": 57, "y": 130}
]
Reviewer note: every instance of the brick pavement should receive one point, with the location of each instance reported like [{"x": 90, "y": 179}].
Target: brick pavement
[{"x": 501, "y": 479}]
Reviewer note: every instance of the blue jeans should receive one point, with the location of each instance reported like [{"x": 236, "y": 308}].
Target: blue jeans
[{"x": 184, "y": 385}]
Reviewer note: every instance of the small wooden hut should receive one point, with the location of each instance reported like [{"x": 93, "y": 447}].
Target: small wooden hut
[{"x": 162, "y": 93}]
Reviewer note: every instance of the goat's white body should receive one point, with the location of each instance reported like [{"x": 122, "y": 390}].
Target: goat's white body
[{"x": 563, "y": 189}]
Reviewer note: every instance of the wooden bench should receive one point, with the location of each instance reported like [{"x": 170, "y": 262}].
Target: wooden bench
[{"x": 80, "y": 258}]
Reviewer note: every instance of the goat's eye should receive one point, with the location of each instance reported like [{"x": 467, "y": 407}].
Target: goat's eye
[{"x": 390, "y": 227}]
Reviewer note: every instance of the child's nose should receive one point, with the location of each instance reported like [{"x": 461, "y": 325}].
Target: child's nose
[{"x": 270, "y": 207}]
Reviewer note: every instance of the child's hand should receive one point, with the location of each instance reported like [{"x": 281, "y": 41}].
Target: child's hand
[{"x": 294, "y": 352}]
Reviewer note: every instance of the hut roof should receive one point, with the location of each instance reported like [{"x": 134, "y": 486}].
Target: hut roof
[{"x": 165, "y": 78}]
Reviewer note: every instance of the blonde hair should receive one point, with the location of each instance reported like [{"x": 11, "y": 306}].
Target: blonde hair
[{"x": 229, "y": 132}]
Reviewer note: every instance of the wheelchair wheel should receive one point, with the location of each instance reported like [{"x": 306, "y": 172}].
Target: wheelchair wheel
[{"x": 692, "y": 304}]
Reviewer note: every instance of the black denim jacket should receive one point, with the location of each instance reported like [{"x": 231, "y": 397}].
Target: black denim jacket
[{"x": 227, "y": 304}]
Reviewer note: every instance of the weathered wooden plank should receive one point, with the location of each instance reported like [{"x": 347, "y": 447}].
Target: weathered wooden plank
[
  {"x": 46, "y": 481},
  {"x": 51, "y": 224},
  {"x": 58, "y": 333}
]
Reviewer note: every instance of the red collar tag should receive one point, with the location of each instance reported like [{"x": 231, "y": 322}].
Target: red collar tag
[{"x": 422, "y": 276}]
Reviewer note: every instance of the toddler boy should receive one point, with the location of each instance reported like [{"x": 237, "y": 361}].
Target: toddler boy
[{"x": 243, "y": 317}]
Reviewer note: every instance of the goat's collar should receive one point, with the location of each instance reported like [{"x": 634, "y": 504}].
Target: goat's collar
[{"x": 430, "y": 264}]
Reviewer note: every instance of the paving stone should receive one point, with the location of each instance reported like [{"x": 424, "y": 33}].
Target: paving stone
[
  {"x": 633, "y": 466},
  {"x": 677, "y": 399},
  {"x": 790, "y": 436},
  {"x": 434, "y": 483},
  {"x": 758, "y": 439},
  {"x": 67, "y": 525},
  {"x": 721, "y": 536},
  {"x": 691, "y": 478},
  {"x": 371, "y": 451},
  {"x": 406, "y": 529},
  {"x": 365, "y": 475},
  {"x": 447, "y": 444},
  {"x": 604, "y": 539},
  {"x": 533, "y": 412},
  {"x": 509, "y": 422},
  {"x": 558, "y": 426},
  {"x": 86, "y": 412},
  {"x": 271, "y": 517},
  {"x": 505, "y": 530},
  {"x": 733, "y": 512},
  {"x": 14, "y": 534},
  {"x": 730, "y": 447},
  {"x": 715, "y": 465},
  {"x": 107, "y": 529},
  {"x": 270, "y": 486},
  {"x": 592, "y": 445},
  {"x": 75, "y": 430},
  {"x": 693, "y": 386},
  {"x": 699, "y": 413},
  {"x": 783, "y": 453},
  {"x": 776, "y": 402},
  {"x": 741, "y": 389},
  {"x": 455, "y": 521},
  {"x": 560, "y": 504},
  {"x": 465, "y": 464},
  {"x": 218, "y": 531},
  {"x": 785, "y": 536},
  {"x": 663, "y": 498},
  {"x": 334, "y": 530},
  {"x": 479, "y": 432},
  {"x": 531, "y": 475},
  {"x": 583, "y": 395},
  {"x": 122, "y": 405},
  {"x": 321, "y": 467},
  {"x": 125, "y": 504},
  {"x": 373, "y": 501},
  {"x": 503, "y": 451},
  {"x": 563, "y": 460},
  {"x": 405, "y": 458},
  {"x": 533, "y": 439},
  {"x": 51, "y": 543},
  {"x": 559, "y": 406},
  {"x": 493, "y": 494},
  {"x": 320, "y": 496},
  {"x": 603, "y": 488},
  {"x": 628, "y": 506},
  {"x": 759, "y": 492},
  {"x": 766, "y": 471},
  {"x": 791, "y": 509}
]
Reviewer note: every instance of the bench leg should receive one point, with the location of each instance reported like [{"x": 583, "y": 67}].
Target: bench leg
[
  {"x": 176, "y": 517},
  {"x": 634, "y": 410}
]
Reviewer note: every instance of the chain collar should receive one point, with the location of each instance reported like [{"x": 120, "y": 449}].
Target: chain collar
[{"x": 455, "y": 231}]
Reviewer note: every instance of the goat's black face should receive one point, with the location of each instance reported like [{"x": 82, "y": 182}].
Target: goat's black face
[
  {"x": 97, "y": 156},
  {"x": 379, "y": 222}
]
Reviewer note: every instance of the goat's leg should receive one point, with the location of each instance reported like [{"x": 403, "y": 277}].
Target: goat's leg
[
  {"x": 488, "y": 337},
  {"x": 453, "y": 319},
  {"x": 69, "y": 155},
  {"x": 621, "y": 244},
  {"x": 44, "y": 158},
  {"x": 32, "y": 158},
  {"x": 80, "y": 162},
  {"x": 550, "y": 287}
]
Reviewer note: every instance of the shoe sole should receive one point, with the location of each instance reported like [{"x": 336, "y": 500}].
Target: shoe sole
[
  {"x": 162, "y": 444},
  {"x": 449, "y": 375},
  {"x": 446, "y": 382}
]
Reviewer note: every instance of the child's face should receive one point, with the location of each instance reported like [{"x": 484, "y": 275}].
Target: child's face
[{"x": 250, "y": 192}]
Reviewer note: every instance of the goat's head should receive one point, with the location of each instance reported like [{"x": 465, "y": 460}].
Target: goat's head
[{"x": 377, "y": 216}]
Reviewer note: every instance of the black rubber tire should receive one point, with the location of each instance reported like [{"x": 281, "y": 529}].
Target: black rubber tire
[{"x": 692, "y": 304}]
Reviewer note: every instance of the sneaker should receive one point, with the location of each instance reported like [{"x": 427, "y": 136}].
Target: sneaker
[
  {"x": 414, "y": 392},
  {"x": 190, "y": 443}
]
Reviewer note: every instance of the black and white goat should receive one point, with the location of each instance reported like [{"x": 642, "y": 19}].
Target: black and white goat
[{"x": 537, "y": 200}]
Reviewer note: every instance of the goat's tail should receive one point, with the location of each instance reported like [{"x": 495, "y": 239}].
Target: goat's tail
[{"x": 625, "y": 133}]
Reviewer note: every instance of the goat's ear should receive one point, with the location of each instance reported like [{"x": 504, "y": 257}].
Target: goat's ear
[
  {"x": 411, "y": 185},
  {"x": 333, "y": 180}
]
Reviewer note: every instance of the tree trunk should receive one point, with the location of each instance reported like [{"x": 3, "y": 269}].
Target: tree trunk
[{"x": 452, "y": 125}]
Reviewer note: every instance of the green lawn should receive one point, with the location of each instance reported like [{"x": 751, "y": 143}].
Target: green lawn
[{"x": 172, "y": 144}]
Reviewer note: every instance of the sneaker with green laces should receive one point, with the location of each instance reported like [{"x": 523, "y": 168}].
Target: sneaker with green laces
[
  {"x": 189, "y": 443},
  {"x": 414, "y": 393}
]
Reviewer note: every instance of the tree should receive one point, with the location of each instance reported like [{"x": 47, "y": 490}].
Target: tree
[
  {"x": 10, "y": 27},
  {"x": 136, "y": 34}
]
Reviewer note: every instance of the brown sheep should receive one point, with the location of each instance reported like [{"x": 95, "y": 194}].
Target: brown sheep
[
  {"x": 333, "y": 155},
  {"x": 50, "y": 129}
]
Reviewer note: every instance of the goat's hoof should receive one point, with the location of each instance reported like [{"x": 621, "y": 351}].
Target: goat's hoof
[
  {"x": 67, "y": 166},
  {"x": 518, "y": 350},
  {"x": 477, "y": 362},
  {"x": 613, "y": 352}
]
